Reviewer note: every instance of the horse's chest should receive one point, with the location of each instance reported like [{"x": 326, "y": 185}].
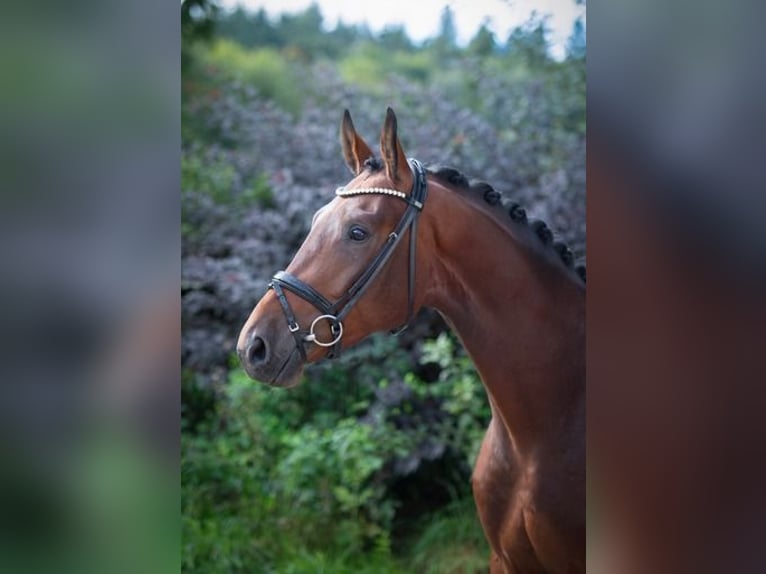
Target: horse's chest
[{"x": 519, "y": 519}]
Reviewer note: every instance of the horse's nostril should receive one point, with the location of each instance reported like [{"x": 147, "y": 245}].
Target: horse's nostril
[{"x": 256, "y": 352}]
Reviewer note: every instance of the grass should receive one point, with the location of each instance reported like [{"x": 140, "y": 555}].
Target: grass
[
  {"x": 452, "y": 542},
  {"x": 449, "y": 541}
]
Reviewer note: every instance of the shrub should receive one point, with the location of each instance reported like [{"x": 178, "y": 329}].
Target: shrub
[
  {"x": 271, "y": 480},
  {"x": 370, "y": 67},
  {"x": 214, "y": 175},
  {"x": 283, "y": 478},
  {"x": 265, "y": 69},
  {"x": 463, "y": 395}
]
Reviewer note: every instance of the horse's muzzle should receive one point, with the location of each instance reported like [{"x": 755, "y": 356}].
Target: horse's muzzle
[
  {"x": 254, "y": 354},
  {"x": 273, "y": 362}
]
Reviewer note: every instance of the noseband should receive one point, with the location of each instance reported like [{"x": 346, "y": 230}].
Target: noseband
[{"x": 334, "y": 313}]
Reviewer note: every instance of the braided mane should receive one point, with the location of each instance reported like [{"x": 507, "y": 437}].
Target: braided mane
[{"x": 517, "y": 213}]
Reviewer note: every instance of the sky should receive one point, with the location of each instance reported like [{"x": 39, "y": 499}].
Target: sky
[{"x": 421, "y": 17}]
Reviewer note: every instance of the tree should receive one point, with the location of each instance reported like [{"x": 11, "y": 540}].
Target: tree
[
  {"x": 395, "y": 38},
  {"x": 306, "y": 24},
  {"x": 197, "y": 24},
  {"x": 529, "y": 42},
  {"x": 483, "y": 43},
  {"x": 247, "y": 28},
  {"x": 447, "y": 31},
  {"x": 304, "y": 31},
  {"x": 197, "y": 19},
  {"x": 445, "y": 42},
  {"x": 576, "y": 43}
]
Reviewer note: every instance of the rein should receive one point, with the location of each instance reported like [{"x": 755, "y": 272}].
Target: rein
[{"x": 334, "y": 313}]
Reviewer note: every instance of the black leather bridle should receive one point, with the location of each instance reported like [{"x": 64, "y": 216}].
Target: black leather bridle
[{"x": 334, "y": 313}]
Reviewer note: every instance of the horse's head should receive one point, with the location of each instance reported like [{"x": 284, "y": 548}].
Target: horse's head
[{"x": 353, "y": 275}]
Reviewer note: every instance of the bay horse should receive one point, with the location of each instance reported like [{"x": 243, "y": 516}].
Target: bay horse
[{"x": 502, "y": 284}]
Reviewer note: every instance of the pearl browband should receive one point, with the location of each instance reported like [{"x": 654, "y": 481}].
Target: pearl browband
[{"x": 343, "y": 192}]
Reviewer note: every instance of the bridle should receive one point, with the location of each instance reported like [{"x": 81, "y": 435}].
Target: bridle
[{"x": 334, "y": 313}]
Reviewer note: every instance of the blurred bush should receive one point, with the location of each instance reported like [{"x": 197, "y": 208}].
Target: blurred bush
[
  {"x": 265, "y": 69},
  {"x": 368, "y": 66},
  {"x": 270, "y": 474}
]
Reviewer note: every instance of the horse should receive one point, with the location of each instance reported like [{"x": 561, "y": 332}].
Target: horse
[{"x": 399, "y": 237}]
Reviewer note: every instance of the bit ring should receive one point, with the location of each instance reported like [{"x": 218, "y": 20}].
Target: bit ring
[{"x": 312, "y": 338}]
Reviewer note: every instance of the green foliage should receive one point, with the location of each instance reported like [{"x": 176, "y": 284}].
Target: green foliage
[
  {"x": 304, "y": 32},
  {"x": 197, "y": 402},
  {"x": 248, "y": 29},
  {"x": 274, "y": 58},
  {"x": 258, "y": 492},
  {"x": 218, "y": 179},
  {"x": 197, "y": 19},
  {"x": 576, "y": 43},
  {"x": 197, "y": 25},
  {"x": 483, "y": 43},
  {"x": 327, "y": 476},
  {"x": 301, "y": 33},
  {"x": 213, "y": 178},
  {"x": 452, "y": 542},
  {"x": 462, "y": 393},
  {"x": 395, "y": 38},
  {"x": 369, "y": 66},
  {"x": 445, "y": 43},
  {"x": 289, "y": 481},
  {"x": 265, "y": 69},
  {"x": 529, "y": 43}
]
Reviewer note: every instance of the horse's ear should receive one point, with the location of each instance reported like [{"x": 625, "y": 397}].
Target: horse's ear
[
  {"x": 397, "y": 168},
  {"x": 355, "y": 150}
]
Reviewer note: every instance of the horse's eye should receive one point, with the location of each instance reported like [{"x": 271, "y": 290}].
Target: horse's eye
[{"x": 356, "y": 233}]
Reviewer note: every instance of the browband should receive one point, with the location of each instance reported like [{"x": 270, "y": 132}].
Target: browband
[{"x": 343, "y": 192}]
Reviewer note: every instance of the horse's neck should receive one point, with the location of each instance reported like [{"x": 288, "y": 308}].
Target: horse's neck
[{"x": 519, "y": 317}]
